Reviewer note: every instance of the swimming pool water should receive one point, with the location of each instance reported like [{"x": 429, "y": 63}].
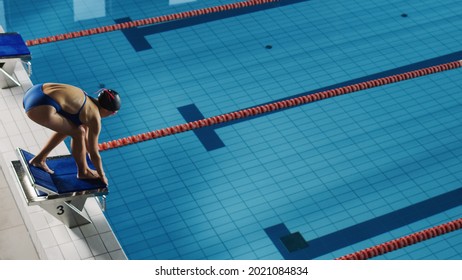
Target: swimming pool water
[{"x": 382, "y": 163}]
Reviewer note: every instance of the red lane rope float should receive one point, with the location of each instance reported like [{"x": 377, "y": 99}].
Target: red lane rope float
[
  {"x": 404, "y": 241},
  {"x": 258, "y": 110},
  {"x": 147, "y": 21}
]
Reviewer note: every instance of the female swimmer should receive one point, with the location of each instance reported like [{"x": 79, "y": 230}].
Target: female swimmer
[{"x": 64, "y": 109}]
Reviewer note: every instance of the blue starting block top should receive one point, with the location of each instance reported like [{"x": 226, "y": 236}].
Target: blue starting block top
[
  {"x": 13, "y": 46},
  {"x": 64, "y": 180}
]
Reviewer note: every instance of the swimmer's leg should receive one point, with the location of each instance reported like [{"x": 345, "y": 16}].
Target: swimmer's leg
[
  {"x": 94, "y": 172},
  {"x": 40, "y": 159},
  {"x": 89, "y": 173},
  {"x": 48, "y": 117}
]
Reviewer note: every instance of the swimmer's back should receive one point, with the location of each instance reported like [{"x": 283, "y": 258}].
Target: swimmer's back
[{"x": 69, "y": 97}]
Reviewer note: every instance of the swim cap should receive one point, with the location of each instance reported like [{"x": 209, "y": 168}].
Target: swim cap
[{"x": 109, "y": 99}]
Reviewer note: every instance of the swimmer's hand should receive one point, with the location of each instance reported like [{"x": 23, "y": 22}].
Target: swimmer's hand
[
  {"x": 91, "y": 174},
  {"x": 88, "y": 174},
  {"x": 104, "y": 179},
  {"x": 41, "y": 164}
]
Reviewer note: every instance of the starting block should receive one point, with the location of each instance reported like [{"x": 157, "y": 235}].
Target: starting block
[
  {"x": 61, "y": 194},
  {"x": 13, "y": 50}
]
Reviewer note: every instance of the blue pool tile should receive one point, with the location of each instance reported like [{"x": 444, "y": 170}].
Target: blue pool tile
[
  {"x": 195, "y": 255},
  {"x": 145, "y": 254},
  {"x": 243, "y": 252}
]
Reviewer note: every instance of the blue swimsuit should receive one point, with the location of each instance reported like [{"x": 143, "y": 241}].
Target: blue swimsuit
[{"x": 36, "y": 97}]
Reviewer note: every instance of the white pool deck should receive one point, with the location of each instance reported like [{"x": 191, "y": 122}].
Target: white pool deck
[{"x": 28, "y": 232}]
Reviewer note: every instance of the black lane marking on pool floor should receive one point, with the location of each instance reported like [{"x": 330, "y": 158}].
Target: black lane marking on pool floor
[
  {"x": 365, "y": 230},
  {"x": 206, "y": 135},
  {"x": 136, "y": 36}
]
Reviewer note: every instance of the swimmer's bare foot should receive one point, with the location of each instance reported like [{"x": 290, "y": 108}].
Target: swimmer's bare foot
[
  {"x": 40, "y": 164},
  {"x": 88, "y": 174}
]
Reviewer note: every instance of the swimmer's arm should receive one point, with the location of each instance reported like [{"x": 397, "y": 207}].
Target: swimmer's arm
[{"x": 94, "y": 129}]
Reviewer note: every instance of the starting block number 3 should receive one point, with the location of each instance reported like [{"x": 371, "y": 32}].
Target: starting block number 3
[{"x": 60, "y": 209}]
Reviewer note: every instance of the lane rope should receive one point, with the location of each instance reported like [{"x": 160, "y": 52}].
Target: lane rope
[
  {"x": 404, "y": 241},
  {"x": 288, "y": 103},
  {"x": 147, "y": 21}
]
